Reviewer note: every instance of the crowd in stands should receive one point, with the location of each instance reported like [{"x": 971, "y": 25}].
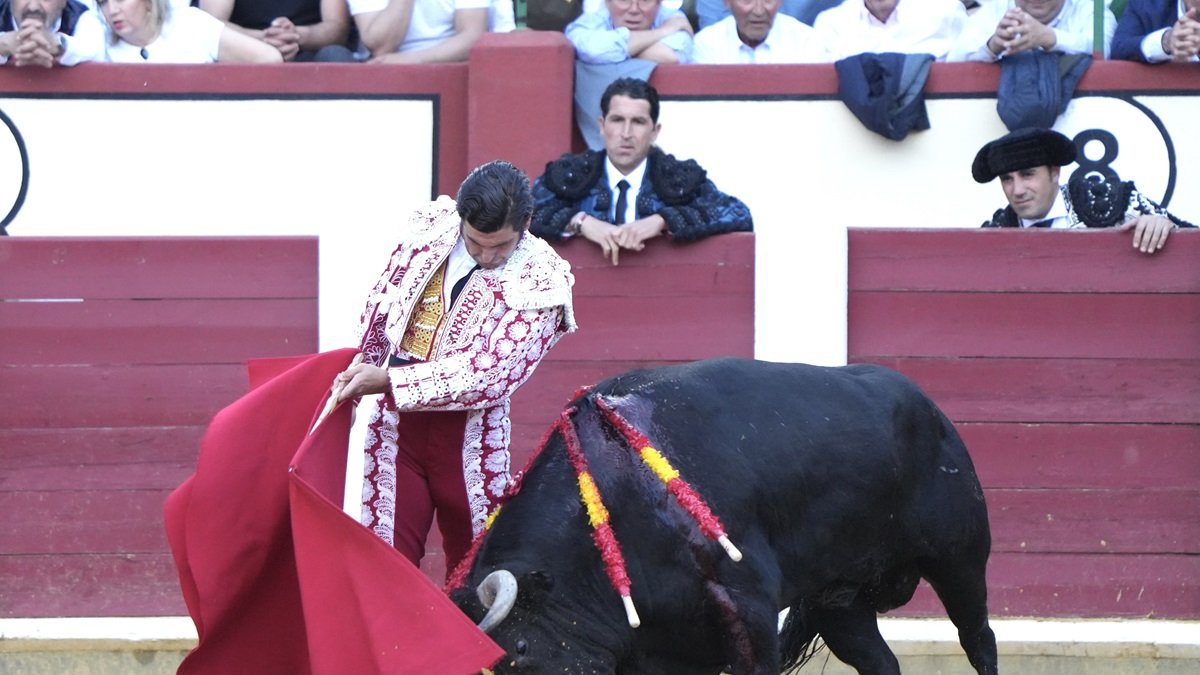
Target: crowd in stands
[
  {"x": 658, "y": 194},
  {"x": 66, "y": 32},
  {"x": 47, "y": 33},
  {"x": 822, "y": 31}
]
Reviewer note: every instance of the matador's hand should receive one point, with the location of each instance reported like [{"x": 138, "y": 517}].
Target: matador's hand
[
  {"x": 360, "y": 379},
  {"x": 1149, "y": 232}
]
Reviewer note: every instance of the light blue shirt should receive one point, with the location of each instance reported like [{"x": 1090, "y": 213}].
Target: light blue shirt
[{"x": 597, "y": 40}]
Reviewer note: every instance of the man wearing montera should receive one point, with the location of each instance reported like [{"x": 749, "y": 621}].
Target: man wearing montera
[
  {"x": 631, "y": 192},
  {"x": 1028, "y": 162},
  {"x": 49, "y": 32},
  {"x": 464, "y": 311},
  {"x": 1003, "y": 27},
  {"x": 756, "y": 32},
  {"x": 1157, "y": 31}
]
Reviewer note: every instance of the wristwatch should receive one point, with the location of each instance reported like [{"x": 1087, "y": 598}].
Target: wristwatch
[{"x": 575, "y": 225}]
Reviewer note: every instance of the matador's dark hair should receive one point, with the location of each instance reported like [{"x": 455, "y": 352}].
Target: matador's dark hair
[{"x": 494, "y": 196}]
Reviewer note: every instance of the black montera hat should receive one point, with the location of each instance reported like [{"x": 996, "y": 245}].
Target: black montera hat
[{"x": 1022, "y": 149}]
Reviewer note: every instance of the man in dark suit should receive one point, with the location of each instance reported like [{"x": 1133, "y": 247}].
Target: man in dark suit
[
  {"x": 632, "y": 191},
  {"x": 1156, "y": 31}
]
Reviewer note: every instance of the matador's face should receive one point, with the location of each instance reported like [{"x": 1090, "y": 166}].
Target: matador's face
[
  {"x": 490, "y": 249},
  {"x": 1031, "y": 192}
]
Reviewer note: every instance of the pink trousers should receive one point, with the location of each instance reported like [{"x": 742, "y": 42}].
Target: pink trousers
[{"x": 429, "y": 482}]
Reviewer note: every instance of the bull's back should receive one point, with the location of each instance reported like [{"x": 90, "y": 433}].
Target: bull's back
[
  {"x": 814, "y": 456},
  {"x": 765, "y": 411}
]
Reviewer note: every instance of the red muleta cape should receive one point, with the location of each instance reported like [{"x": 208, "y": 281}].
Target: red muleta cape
[{"x": 277, "y": 578}]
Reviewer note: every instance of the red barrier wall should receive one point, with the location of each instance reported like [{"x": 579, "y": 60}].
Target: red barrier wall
[
  {"x": 1068, "y": 361},
  {"x": 1071, "y": 365},
  {"x": 115, "y": 355},
  {"x": 106, "y": 396}
]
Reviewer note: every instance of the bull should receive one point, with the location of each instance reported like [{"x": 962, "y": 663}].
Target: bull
[{"x": 841, "y": 488}]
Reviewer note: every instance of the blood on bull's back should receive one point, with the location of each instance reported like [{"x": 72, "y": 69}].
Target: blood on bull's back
[{"x": 840, "y": 487}]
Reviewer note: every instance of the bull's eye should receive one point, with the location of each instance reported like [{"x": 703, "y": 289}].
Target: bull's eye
[{"x": 522, "y": 647}]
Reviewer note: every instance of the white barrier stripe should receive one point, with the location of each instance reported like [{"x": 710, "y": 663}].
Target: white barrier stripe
[
  {"x": 1163, "y": 638},
  {"x": 158, "y": 632}
]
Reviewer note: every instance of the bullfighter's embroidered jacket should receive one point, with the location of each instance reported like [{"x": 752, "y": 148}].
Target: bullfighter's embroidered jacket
[{"x": 488, "y": 343}]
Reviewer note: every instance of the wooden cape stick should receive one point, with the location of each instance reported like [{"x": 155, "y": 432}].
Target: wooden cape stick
[{"x": 332, "y": 402}]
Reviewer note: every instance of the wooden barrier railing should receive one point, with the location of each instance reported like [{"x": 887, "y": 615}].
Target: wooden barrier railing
[
  {"x": 114, "y": 355},
  {"x": 1071, "y": 365}
]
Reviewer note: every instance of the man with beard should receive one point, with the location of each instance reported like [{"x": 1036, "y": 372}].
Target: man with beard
[{"x": 49, "y": 32}]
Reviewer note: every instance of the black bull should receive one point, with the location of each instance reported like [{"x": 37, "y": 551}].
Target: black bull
[{"x": 841, "y": 487}]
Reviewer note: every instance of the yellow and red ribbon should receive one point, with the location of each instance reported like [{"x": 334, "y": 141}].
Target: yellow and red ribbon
[{"x": 686, "y": 497}]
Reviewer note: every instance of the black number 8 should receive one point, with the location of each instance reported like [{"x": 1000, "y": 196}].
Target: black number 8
[{"x": 1102, "y": 166}]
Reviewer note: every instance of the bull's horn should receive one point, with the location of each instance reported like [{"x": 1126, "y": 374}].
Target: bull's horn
[{"x": 497, "y": 592}]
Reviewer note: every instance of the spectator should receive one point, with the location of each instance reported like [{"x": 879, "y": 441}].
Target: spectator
[
  {"x": 756, "y": 33},
  {"x": 632, "y": 29},
  {"x": 632, "y": 191},
  {"x": 49, "y": 32},
  {"x": 879, "y": 26},
  {"x": 447, "y": 361},
  {"x": 622, "y": 38},
  {"x": 709, "y": 12},
  {"x": 154, "y": 31},
  {"x": 419, "y": 31},
  {"x": 1155, "y": 31},
  {"x": 1028, "y": 161},
  {"x": 1002, "y": 27},
  {"x": 299, "y": 29}
]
